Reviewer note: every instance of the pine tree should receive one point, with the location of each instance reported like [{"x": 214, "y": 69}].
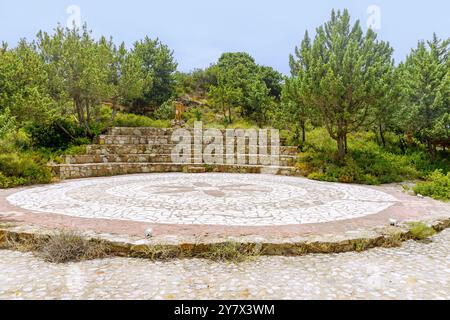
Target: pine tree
[
  {"x": 342, "y": 75},
  {"x": 426, "y": 93},
  {"x": 294, "y": 104}
]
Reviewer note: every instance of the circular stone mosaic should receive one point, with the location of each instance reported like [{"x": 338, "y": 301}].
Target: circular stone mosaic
[{"x": 206, "y": 199}]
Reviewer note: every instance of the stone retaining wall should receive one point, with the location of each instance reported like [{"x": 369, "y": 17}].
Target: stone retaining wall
[{"x": 76, "y": 171}]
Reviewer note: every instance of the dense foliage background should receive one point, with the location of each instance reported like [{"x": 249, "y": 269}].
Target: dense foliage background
[{"x": 355, "y": 115}]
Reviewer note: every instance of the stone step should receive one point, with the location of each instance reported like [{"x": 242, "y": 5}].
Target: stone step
[
  {"x": 140, "y": 131},
  {"x": 77, "y": 171},
  {"x": 154, "y": 158},
  {"x": 126, "y": 149},
  {"x": 120, "y": 149},
  {"x": 196, "y": 169},
  {"x": 132, "y": 139},
  {"x": 137, "y": 139},
  {"x": 147, "y": 131}
]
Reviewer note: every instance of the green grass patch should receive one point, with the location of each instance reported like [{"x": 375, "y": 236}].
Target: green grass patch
[
  {"x": 231, "y": 252},
  {"x": 420, "y": 231}
]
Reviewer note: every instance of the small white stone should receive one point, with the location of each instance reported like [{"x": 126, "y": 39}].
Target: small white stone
[
  {"x": 149, "y": 233},
  {"x": 393, "y": 222}
]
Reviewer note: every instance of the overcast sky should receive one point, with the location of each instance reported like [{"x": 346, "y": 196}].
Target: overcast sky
[{"x": 200, "y": 30}]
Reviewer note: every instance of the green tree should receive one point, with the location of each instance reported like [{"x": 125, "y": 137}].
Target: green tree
[
  {"x": 273, "y": 81},
  {"x": 78, "y": 69},
  {"x": 294, "y": 109},
  {"x": 196, "y": 82},
  {"x": 387, "y": 115},
  {"x": 126, "y": 79},
  {"x": 241, "y": 87},
  {"x": 23, "y": 84},
  {"x": 225, "y": 96},
  {"x": 258, "y": 100},
  {"x": 294, "y": 104},
  {"x": 343, "y": 76},
  {"x": 426, "y": 93},
  {"x": 157, "y": 63}
]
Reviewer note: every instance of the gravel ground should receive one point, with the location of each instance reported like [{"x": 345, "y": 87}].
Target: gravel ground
[{"x": 415, "y": 271}]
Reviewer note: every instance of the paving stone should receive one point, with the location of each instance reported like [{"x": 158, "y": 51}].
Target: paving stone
[{"x": 414, "y": 271}]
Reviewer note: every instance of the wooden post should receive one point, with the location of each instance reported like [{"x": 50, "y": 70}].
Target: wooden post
[{"x": 179, "y": 111}]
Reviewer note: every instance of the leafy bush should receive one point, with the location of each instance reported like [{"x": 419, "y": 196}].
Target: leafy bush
[
  {"x": 75, "y": 150},
  {"x": 22, "y": 169},
  {"x": 166, "y": 111},
  {"x": 15, "y": 141},
  {"x": 10, "y": 182},
  {"x": 437, "y": 186},
  {"x": 56, "y": 134},
  {"x": 421, "y": 160}
]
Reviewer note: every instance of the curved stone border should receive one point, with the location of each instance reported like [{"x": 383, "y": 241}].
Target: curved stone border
[{"x": 123, "y": 246}]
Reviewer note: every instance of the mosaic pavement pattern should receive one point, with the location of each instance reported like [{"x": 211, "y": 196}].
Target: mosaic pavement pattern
[
  {"x": 414, "y": 271},
  {"x": 206, "y": 199}
]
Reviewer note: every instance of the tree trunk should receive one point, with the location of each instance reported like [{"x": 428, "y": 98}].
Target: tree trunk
[
  {"x": 87, "y": 103},
  {"x": 302, "y": 125},
  {"x": 114, "y": 110},
  {"x": 383, "y": 141},
  {"x": 80, "y": 112},
  {"x": 431, "y": 149},
  {"x": 346, "y": 144},
  {"x": 341, "y": 142},
  {"x": 87, "y": 119}
]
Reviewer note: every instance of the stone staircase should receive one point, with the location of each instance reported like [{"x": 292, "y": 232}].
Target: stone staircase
[{"x": 147, "y": 150}]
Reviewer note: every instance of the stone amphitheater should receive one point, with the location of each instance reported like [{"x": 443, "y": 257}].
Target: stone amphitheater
[
  {"x": 148, "y": 150},
  {"x": 127, "y": 184}
]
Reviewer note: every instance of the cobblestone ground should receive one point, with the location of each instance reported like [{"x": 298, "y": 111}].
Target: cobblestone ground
[{"x": 414, "y": 271}]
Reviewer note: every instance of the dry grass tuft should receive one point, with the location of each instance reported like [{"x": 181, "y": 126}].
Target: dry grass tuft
[{"x": 60, "y": 247}]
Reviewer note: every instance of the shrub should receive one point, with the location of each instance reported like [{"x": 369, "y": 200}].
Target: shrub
[
  {"x": 366, "y": 161},
  {"x": 15, "y": 141},
  {"x": 22, "y": 169},
  {"x": 425, "y": 165},
  {"x": 56, "y": 134},
  {"x": 75, "y": 150},
  {"x": 166, "y": 111},
  {"x": 437, "y": 186},
  {"x": 10, "y": 182},
  {"x": 197, "y": 114}
]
